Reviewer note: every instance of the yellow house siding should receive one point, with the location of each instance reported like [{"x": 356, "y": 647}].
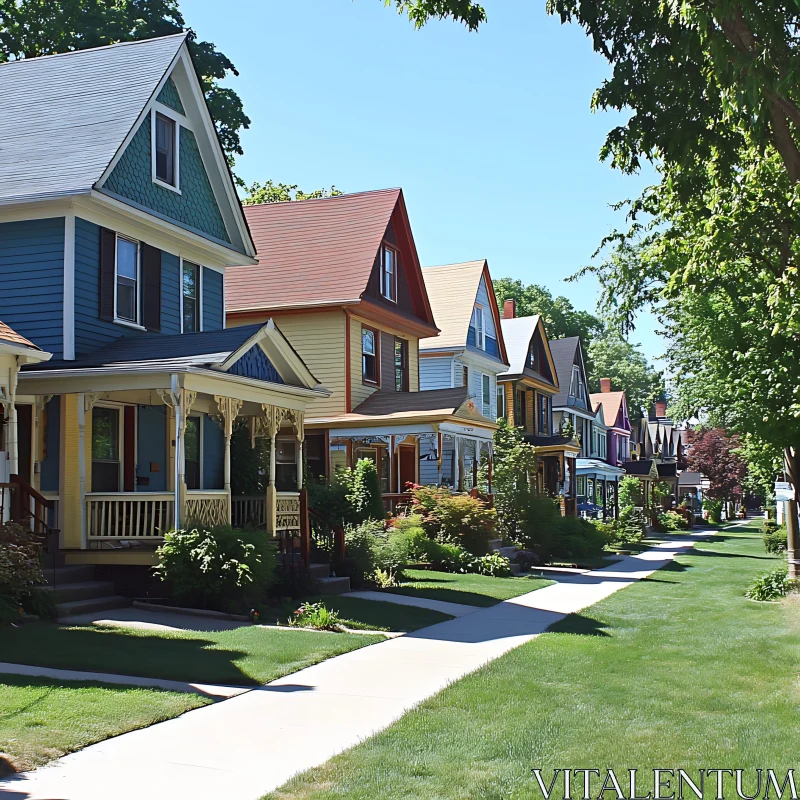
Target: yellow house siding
[
  {"x": 69, "y": 490},
  {"x": 530, "y": 402},
  {"x": 319, "y": 340},
  {"x": 359, "y": 391}
]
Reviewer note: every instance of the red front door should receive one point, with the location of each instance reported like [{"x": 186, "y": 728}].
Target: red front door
[{"x": 407, "y": 457}]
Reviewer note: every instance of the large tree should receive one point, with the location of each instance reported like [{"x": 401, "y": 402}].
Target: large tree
[
  {"x": 31, "y": 28},
  {"x": 613, "y": 356},
  {"x": 711, "y": 95},
  {"x": 559, "y": 316},
  {"x": 716, "y": 455}
]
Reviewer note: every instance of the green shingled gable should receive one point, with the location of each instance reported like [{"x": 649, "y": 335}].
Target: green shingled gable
[
  {"x": 195, "y": 207},
  {"x": 169, "y": 97}
]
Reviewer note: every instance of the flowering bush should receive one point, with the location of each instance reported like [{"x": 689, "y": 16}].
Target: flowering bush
[{"x": 315, "y": 615}]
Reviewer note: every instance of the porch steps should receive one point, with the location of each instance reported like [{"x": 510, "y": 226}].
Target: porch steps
[
  {"x": 334, "y": 585},
  {"x": 76, "y": 592},
  {"x": 321, "y": 573}
]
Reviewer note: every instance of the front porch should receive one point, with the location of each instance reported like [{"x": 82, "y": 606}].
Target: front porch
[{"x": 142, "y": 454}]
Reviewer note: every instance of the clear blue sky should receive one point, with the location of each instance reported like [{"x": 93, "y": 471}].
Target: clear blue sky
[{"x": 490, "y": 134}]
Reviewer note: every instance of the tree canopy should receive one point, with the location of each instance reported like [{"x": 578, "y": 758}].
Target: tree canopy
[
  {"x": 716, "y": 455},
  {"x": 31, "y": 28},
  {"x": 270, "y": 192},
  {"x": 612, "y": 356}
]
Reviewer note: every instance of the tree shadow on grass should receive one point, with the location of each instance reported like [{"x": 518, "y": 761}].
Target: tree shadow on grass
[
  {"x": 578, "y": 625},
  {"x": 446, "y": 595},
  {"x": 121, "y": 652}
]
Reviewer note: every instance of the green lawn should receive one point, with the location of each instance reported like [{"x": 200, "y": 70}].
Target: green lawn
[
  {"x": 679, "y": 670},
  {"x": 470, "y": 590},
  {"x": 42, "y": 719},
  {"x": 246, "y": 656}
]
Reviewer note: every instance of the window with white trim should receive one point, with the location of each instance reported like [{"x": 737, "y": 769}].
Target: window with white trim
[
  {"x": 369, "y": 355},
  {"x": 190, "y": 298},
  {"x": 166, "y": 147},
  {"x": 501, "y": 401},
  {"x": 126, "y": 302},
  {"x": 486, "y": 391},
  {"x": 477, "y": 325},
  {"x": 389, "y": 272}
]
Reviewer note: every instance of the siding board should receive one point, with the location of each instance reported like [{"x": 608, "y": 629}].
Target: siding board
[
  {"x": 213, "y": 315},
  {"x": 32, "y": 281}
]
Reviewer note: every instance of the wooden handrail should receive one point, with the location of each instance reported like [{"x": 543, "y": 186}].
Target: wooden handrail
[{"x": 29, "y": 490}]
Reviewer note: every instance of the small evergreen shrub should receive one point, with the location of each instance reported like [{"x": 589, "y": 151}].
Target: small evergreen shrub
[
  {"x": 770, "y": 526},
  {"x": 220, "y": 568},
  {"x": 456, "y": 518},
  {"x": 672, "y": 521},
  {"x": 771, "y": 586},
  {"x": 776, "y": 541},
  {"x": 360, "y": 546},
  {"x": 714, "y": 508}
]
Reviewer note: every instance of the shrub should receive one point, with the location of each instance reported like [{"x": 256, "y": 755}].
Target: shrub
[
  {"x": 630, "y": 492},
  {"x": 221, "y": 568},
  {"x": 452, "y": 558},
  {"x": 315, "y": 615},
  {"x": 714, "y": 508},
  {"x": 360, "y": 544},
  {"x": 776, "y": 541},
  {"x": 20, "y": 569},
  {"x": 576, "y": 538},
  {"x": 364, "y": 491},
  {"x": 770, "y": 526},
  {"x": 384, "y": 580},
  {"x": 771, "y": 585},
  {"x": 494, "y": 564},
  {"x": 672, "y": 521},
  {"x": 456, "y": 518}
]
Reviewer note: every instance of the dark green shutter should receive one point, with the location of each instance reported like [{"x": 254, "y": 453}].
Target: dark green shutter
[
  {"x": 108, "y": 252},
  {"x": 151, "y": 287}
]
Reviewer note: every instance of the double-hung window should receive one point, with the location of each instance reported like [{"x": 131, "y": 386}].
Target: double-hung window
[
  {"x": 165, "y": 150},
  {"x": 486, "y": 391},
  {"x": 389, "y": 272},
  {"x": 127, "y": 281},
  {"x": 190, "y": 298},
  {"x": 544, "y": 414},
  {"x": 477, "y": 328},
  {"x": 369, "y": 355}
]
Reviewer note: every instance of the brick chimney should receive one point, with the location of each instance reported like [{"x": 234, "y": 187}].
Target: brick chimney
[
  {"x": 661, "y": 408},
  {"x": 605, "y": 385},
  {"x": 509, "y": 309}
]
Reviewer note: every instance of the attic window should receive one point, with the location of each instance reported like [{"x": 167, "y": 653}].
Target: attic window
[
  {"x": 389, "y": 272},
  {"x": 165, "y": 150}
]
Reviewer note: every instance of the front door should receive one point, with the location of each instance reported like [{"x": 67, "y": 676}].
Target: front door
[
  {"x": 407, "y": 458},
  {"x": 24, "y": 425}
]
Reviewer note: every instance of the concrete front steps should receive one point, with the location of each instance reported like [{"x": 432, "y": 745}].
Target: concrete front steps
[
  {"x": 76, "y": 591},
  {"x": 496, "y": 546},
  {"x": 321, "y": 573}
]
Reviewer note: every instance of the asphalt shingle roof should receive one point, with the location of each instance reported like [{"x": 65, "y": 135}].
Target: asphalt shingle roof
[
  {"x": 8, "y": 334},
  {"x": 563, "y": 353},
  {"x": 65, "y": 116},
  {"x": 160, "y": 351}
]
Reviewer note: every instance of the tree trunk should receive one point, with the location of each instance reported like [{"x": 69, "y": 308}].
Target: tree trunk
[{"x": 793, "y": 535}]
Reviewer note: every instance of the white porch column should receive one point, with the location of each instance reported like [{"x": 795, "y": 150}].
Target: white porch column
[
  {"x": 82, "y": 469},
  {"x": 11, "y": 426},
  {"x": 439, "y": 457},
  {"x": 273, "y": 417},
  {"x": 298, "y": 420},
  {"x": 456, "y": 464}
]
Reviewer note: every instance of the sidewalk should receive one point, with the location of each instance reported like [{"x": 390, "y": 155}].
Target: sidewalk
[{"x": 251, "y": 744}]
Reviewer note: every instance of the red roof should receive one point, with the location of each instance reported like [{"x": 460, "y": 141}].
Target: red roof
[
  {"x": 9, "y": 335},
  {"x": 316, "y": 252}
]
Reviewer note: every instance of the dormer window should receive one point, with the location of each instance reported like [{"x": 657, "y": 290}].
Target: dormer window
[
  {"x": 165, "y": 144},
  {"x": 389, "y": 272},
  {"x": 577, "y": 388}
]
